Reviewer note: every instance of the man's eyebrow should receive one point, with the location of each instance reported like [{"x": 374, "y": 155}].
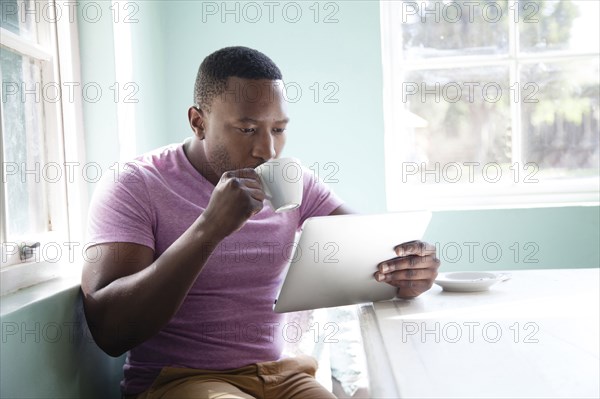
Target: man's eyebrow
[{"x": 247, "y": 119}]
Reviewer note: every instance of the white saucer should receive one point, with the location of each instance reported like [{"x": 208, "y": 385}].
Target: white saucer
[{"x": 469, "y": 281}]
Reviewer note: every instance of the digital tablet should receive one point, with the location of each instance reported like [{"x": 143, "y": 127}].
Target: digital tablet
[{"x": 336, "y": 256}]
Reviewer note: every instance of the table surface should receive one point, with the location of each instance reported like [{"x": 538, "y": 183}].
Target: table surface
[{"x": 535, "y": 335}]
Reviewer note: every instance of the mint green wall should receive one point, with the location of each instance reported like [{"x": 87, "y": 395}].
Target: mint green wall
[
  {"x": 339, "y": 136},
  {"x": 505, "y": 239},
  {"x": 98, "y": 67},
  {"x": 96, "y": 48},
  {"x": 48, "y": 352},
  {"x": 346, "y": 54},
  {"x": 149, "y": 72}
]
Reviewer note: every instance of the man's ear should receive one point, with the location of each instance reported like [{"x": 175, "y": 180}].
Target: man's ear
[{"x": 196, "y": 119}]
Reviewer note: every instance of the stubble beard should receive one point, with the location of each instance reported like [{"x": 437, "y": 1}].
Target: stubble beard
[{"x": 220, "y": 161}]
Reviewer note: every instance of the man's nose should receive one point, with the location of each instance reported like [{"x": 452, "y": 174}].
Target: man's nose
[{"x": 264, "y": 146}]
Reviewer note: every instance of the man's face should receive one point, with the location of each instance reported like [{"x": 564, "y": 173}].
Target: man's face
[{"x": 246, "y": 124}]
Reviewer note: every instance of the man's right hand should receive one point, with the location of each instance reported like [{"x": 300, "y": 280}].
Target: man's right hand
[{"x": 237, "y": 197}]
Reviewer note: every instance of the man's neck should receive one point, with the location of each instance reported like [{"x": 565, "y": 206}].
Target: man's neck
[{"x": 194, "y": 151}]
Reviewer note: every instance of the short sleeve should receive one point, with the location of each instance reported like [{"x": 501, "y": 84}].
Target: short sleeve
[
  {"x": 120, "y": 211},
  {"x": 317, "y": 199}
]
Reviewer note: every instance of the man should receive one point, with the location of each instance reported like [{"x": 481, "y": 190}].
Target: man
[{"x": 171, "y": 286}]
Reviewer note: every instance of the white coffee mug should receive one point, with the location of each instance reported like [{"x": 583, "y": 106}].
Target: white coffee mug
[{"x": 282, "y": 182}]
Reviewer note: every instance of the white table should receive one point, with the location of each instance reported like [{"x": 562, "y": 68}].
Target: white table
[{"x": 535, "y": 335}]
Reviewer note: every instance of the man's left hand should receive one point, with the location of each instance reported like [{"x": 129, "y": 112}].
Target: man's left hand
[{"x": 412, "y": 271}]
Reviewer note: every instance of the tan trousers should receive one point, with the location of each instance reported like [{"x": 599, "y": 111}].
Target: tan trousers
[{"x": 291, "y": 378}]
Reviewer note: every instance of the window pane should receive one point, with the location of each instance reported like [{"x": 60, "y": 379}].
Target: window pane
[
  {"x": 559, "y": 25},
  {"x": 561, "y": 130},
  {"x": 20, "y": 16},
  {"x": 466, "y": 116},
  {"x": 22, "y": 132},
  {"x": 442, "y": 28}
]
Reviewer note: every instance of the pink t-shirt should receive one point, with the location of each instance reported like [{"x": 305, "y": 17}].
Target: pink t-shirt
[{"x": 226, "y": 320}]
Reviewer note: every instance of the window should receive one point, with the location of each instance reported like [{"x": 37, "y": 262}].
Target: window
[
  {"x": 34, "y": 192},
  {"x": 490, "y": 103}
]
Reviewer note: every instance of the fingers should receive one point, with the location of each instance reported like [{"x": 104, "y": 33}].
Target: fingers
[
  {"x": 408, "y": 262},
  {"x": 256, "y": 192},
  {"x": 245, "y": 172},
  {"x": 415, "y": 248},
  {"x": 407, "y": 275},
  {"x": 246, "y": 179},
  {"x": 412, "y": 271},
  {"x": 248, "y": 175}
]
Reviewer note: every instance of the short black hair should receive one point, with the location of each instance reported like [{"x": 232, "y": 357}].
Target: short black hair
[{"x": 238, "y": 61}]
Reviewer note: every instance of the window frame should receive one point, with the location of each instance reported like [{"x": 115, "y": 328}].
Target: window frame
[
  {"x": 57, "y": 44},
  {"x": 466, "y": 195}
]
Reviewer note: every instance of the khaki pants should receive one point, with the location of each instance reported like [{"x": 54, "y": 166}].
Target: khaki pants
[{"x": 291, "y": 378}]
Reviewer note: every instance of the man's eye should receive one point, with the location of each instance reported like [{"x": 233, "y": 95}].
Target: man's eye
[
  {"x": 278, "y": 131},
  {"x": 247, "y": 130}
]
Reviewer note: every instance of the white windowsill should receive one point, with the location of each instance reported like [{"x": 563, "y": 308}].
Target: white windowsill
[
  {"x": 479, "y": 203},
  {"x": 19, "y": 299},
  {"x": 438, "y": 197},
  {"x": 23, "y": 275}
]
